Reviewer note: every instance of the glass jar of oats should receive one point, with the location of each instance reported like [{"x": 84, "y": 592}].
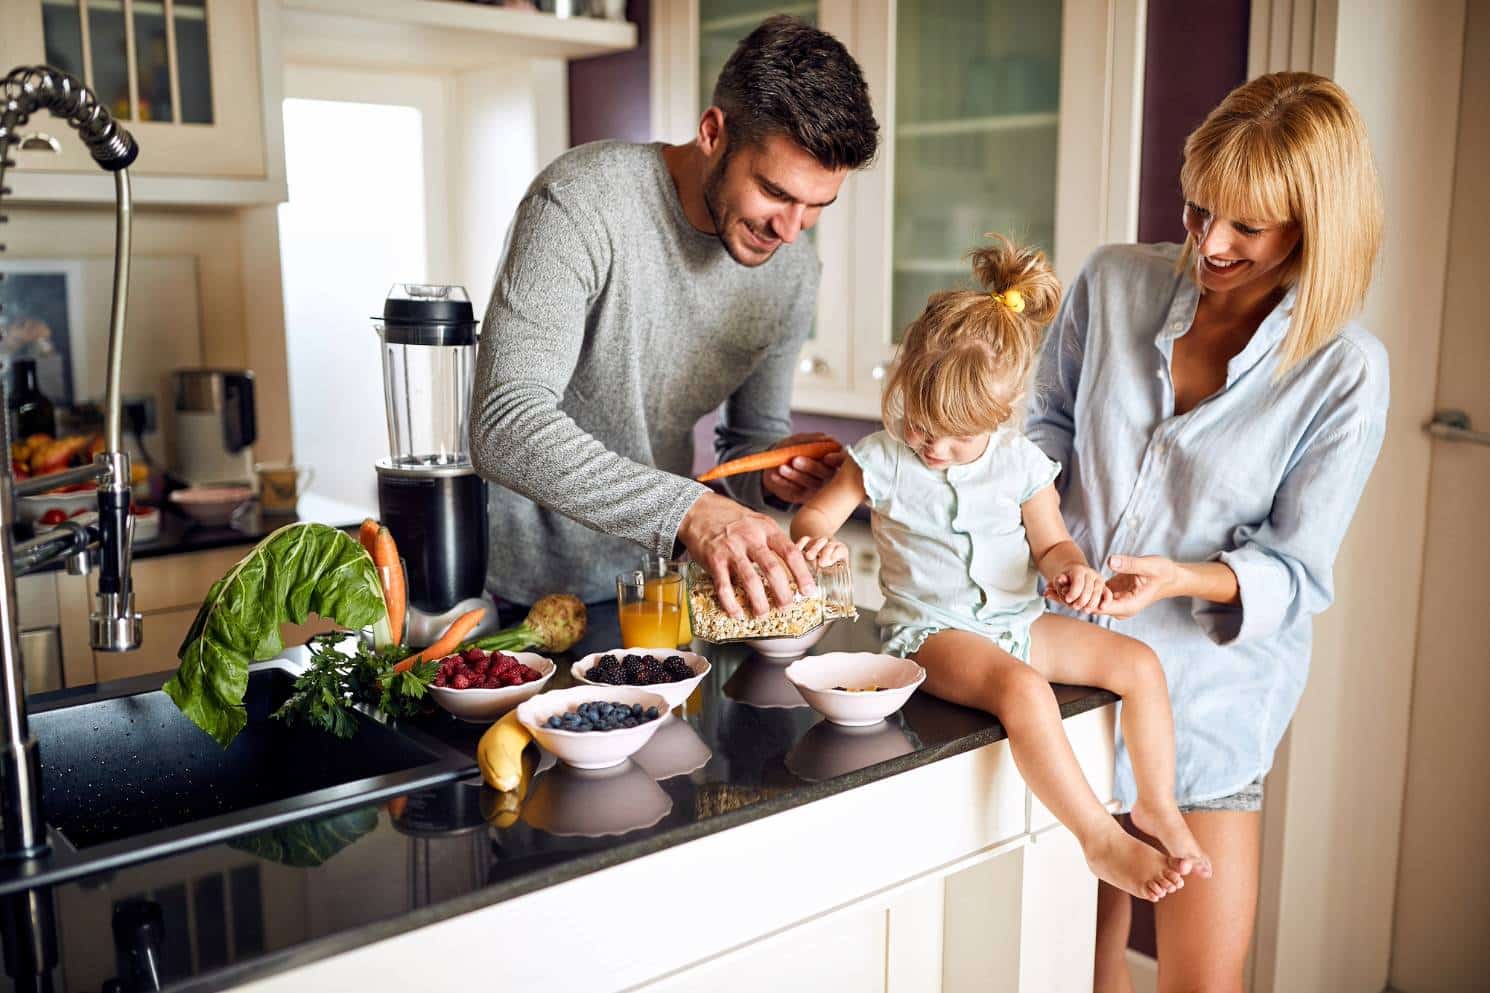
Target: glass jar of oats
[{"x": 834, "y": 599}]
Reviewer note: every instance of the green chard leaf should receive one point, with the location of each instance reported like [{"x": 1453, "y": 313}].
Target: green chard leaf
[{"x": 297, "y": 570}]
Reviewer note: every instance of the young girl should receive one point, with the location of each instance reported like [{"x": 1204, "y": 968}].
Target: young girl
[{"x": 964, "y": 513}]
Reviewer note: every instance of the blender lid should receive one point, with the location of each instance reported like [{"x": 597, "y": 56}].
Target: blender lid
[{"x": 425, "y": 314}]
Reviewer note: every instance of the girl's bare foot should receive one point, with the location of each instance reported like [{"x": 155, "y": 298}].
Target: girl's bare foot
[
  {"x": 1118, "y": 858},
  {"x": 1166, "y": 824}
]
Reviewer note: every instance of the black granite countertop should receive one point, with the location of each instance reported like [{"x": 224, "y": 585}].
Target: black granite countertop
[{"x": 748, "y": 747}]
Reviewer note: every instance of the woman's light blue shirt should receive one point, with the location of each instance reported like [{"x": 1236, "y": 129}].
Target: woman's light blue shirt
[
  {"x": 952, "y": 547},
  {"x": 1263, "y": 475}
]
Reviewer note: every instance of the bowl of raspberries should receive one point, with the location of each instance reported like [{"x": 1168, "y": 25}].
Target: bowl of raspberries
[
  {"x": 671, "y": 675},
  {"x": 480, "y": 686}
]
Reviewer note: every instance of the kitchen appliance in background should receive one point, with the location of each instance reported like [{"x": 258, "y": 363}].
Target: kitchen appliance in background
[
  {"x": 429, "y": 495},
  {"x": 215, "y": 426}
]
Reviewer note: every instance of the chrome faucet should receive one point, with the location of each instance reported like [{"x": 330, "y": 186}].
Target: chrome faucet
[{"x": 114, "y": 625}]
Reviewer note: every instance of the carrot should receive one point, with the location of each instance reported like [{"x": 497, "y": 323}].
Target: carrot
[
  {"x": 449, "y": 641},
  {"x": 391, "y": 571},
  {"x": 368, "y": 534},
  {"x": 770, "y": 459}
]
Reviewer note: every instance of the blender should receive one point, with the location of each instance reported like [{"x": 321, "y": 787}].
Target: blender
[{"x": 429, "y": 495}]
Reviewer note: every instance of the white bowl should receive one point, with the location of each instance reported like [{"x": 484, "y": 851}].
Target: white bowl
[
  {"x": 786, "y": 649},
  {"x": 591, "y": 749},
  {"x": 815, "y": 676},
  {"x": 147, "y": 525},
  {"x": 31, "y": 508},
  {"x": 211, "y": 505},
  {"x": 673, "y": 693},
  {"x": 485, "y": 706}
]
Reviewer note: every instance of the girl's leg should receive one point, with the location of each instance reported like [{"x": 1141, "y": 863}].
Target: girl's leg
[
  {"x": 1114, "y": 921},
  {"x": 1204, "y": 932},
  {"x": 1065, "y": 650},
  {"x": 967, "y": 669}
]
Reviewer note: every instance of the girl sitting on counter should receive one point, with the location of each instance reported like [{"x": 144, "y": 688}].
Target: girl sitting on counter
[{"x": 966, "y": 519}]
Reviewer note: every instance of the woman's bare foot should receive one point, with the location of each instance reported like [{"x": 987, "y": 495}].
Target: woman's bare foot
[
  {"x": 1118, "y": 858},
  {"x": 1167, "y": 825}
]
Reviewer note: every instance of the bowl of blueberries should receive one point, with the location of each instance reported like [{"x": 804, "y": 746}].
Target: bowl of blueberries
[
  {"x": 592, "y": 727},
  {"x": 671, "y": 674}
]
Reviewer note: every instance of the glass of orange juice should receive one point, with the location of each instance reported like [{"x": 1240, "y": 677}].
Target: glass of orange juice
[
  {"x": 649, "y": 621},
  {"x": 659, "y": 587}
]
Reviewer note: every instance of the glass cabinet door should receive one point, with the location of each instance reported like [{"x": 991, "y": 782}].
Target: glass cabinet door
[
  {"x": 162, "y": 44},
  {"x": 977, "y": 87},
  {"x": 721, "y": 25}
]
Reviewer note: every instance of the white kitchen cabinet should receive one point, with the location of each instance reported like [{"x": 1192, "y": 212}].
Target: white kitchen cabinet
[
  {"x": 190, "y": 79},
  {"x": 1015, "y": 116}
]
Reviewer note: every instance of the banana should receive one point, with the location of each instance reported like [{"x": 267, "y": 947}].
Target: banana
[
  {"x": 502, "y": 810},
  {"x": 500, "y": 753}
]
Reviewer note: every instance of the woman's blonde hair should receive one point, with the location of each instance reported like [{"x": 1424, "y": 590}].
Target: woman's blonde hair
[
  {"x": 963, "y": 365},
  {"x": 1290, "y": 146}
]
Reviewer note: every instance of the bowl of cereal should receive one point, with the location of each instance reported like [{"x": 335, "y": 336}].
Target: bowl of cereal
[
  {"x": 805, "y": 615},
  {"x": 855, "y": 689}
]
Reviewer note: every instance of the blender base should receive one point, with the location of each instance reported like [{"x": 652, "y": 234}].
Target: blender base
[{"x": 423, "y": 629}]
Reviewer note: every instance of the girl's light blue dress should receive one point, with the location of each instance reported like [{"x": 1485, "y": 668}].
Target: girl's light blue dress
[{"x": 953, "y": 552}]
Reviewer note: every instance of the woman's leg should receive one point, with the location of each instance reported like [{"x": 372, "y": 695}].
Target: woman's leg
[
  {"x": 1066, "y": 650},
  {"x": 1204, "y": 932},
  {"x": 967, "y": 669},
  {"x": 1114, "y": 922}
]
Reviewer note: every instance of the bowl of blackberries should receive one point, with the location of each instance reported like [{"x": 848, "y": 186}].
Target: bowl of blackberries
[
  {"x": 480, "y": 686},
  {"x": 672, "y": 674},
  {"x": 594, "y": 727}
]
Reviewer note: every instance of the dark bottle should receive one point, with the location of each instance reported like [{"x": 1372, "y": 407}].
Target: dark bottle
[{"x": 30, "y": 410}]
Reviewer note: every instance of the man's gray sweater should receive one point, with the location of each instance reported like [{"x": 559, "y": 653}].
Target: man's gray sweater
[{"x": 614, "y": 325}]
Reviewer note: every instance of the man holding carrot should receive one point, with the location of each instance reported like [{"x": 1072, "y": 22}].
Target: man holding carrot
[{"x": 644, "y": 286}]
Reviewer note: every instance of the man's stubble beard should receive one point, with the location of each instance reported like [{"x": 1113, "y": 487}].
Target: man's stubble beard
[{"x": 713, "y": 187}]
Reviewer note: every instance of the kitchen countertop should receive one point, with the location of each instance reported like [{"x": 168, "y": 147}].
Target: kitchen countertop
[{"x": 746, "y": 748}]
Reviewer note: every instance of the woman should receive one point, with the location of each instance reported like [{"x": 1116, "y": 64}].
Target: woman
[{"x": 1213, "y": 401}]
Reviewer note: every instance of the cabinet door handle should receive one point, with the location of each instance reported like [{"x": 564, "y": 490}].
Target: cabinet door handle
[
  {"x": 878, "y": 372},
  {"x": 812, "y": 366}
]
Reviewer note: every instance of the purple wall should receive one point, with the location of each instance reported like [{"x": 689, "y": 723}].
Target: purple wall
[
  {"x": 1196, "y": 54},
  {"x": 609, "y": 95}
]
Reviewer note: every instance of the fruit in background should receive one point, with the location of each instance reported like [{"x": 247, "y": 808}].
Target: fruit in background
[
  {"x": 499, "y": 753},
  {"x": 61, "y": 454},
  {"x": 52, "y": 517}
]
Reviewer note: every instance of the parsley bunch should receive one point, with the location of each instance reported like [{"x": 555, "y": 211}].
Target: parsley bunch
[{"x": 334, "y": 682}]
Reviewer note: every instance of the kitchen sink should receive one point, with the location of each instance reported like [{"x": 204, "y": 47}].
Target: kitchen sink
[{"x": 127, "y": 777}]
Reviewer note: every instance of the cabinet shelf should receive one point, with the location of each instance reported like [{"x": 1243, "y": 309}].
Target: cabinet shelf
[
  {"x": 932, "y": 266},
  {"x": 977, "y": 125},
  {"x": 448, "y": 34}
]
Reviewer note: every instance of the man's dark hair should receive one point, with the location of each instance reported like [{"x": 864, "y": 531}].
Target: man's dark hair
[{"x": 789, "y": 78}]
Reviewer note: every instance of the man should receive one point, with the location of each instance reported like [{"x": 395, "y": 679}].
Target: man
[{"x": 643, "y": 287}]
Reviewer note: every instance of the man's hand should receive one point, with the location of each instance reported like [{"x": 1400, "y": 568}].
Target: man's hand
[
  {"x": 725, "y": 538},
  {"x": 798, "y": 480}
]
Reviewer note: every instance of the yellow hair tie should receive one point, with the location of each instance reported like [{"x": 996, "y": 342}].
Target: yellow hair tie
[{"x": 1012, "y": 299}]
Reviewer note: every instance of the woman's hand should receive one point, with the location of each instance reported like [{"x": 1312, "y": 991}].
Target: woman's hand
[
  {"x": 1081, "y": 588},
  {"x": 1139, "y": 581},
  {"x": 822, "y": 552}
]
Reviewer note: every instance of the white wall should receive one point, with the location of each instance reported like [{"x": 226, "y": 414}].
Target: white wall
[
  {"x": 1335, "y": 801},
  {"x": 1443, "y": 884}
]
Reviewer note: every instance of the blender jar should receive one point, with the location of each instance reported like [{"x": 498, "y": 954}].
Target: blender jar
[{"x": 429, "y": 365}]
